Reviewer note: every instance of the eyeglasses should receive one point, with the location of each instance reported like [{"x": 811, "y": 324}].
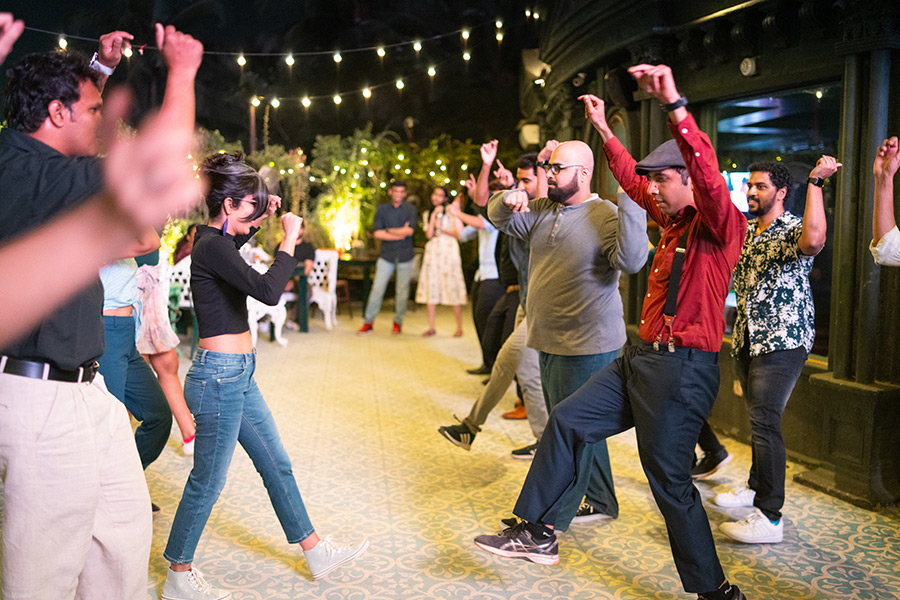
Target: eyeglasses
[{"x": 555, "y": 168}]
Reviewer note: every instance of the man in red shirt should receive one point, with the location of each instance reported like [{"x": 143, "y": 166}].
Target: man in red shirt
[{"x": 665, "y": 386}]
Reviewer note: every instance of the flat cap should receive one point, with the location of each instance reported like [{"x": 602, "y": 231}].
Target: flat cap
[{"x": 666, "y": 156}]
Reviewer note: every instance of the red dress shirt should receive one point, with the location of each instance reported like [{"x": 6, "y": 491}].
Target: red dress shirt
[{"x": 716, "y": 231}]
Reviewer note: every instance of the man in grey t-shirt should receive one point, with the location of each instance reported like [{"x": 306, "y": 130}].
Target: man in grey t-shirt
[{"x": 579, "y": 245}]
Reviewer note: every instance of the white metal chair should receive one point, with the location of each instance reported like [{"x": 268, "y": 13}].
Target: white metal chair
[
  {"x": 180, "y": 274},
  {"x": 323, "y": 283}
]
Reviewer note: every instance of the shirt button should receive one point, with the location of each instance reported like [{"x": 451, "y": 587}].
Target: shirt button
[
  {"x": 642, "y": 321},
  {"x": 697, "y": 154},
  {"x": 648, "y": 294},
  {"x": 656, "y": 270},
  {"x": 684, "y": 130},
  {"x": 663, "y": 247}
]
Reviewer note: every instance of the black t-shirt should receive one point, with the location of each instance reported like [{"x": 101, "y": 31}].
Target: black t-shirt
[
  {"x": 388, "y": 216},
  {"x": 304, "y": 251},
  {"x": 37, "y": 183},
  {"x": 221, "y": 281}
]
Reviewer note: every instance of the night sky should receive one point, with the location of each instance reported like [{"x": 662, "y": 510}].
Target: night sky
[{"x": 477, "y": 100}]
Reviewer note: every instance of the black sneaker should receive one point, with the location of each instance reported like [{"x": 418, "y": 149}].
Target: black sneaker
[
  {"x": 587, "y": 513},
  {"x": 482, "y": 370},
  {"x": 526, "y": 453},
  {"x": 709, "y": 464},
  {"x": 154, "y": 507},
  {"x": 458, "y": 435},
  {"x": 518, "y": 542}
]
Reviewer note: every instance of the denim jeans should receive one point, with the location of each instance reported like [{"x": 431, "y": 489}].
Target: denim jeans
[
  {"x": 130, "y": 379},
  {"x": 767, "y": 381},
  {"x": 561, "y": 376},
  {"x": 228, "y": 408},
  {"x": 665, "y": 396},
  {"x": 383, "y": 271}
]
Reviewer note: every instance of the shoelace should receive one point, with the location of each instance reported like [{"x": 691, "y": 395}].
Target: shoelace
[{"x": 199, "y": 582}]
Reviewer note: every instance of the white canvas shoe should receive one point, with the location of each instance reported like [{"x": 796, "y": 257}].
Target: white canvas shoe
[
  {"x": 737, "y": 497},
  {"x": 327, "y": 556},
  {"x": 190, "y": 585},
  {"x": 756, "y": 528}
]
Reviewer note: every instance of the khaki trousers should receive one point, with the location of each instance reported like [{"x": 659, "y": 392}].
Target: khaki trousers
[{"x": 77, "y": 520}]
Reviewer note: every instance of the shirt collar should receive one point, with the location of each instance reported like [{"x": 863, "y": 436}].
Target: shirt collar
[{"x": 23, "y": 141}]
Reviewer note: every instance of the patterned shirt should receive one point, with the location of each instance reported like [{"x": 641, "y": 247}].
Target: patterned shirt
[{"x": 771, "y": 281}]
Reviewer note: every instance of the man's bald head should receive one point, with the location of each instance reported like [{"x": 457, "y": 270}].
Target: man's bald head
[{"x": 572, "y": 183}]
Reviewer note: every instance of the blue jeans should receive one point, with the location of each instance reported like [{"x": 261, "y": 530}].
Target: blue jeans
[
  {"x": 561, "y": 376},
  {"x": 665, "y": 396},
  {"x": 383, "y": 272},
  {"x": 130, "y": 379},
  {"x": 767, "y": 381},
  {"x": 228, "y": 408}
]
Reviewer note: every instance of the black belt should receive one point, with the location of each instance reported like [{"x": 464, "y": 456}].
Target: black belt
[
  {"x": 693, "y": 354},
  {"x": 40, "y": 370}
]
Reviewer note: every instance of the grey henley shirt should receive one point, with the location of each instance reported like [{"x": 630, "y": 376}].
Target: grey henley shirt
[{"x": 577, "y": 252}]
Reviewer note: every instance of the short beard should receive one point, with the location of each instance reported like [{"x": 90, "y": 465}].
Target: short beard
[{"x": 562, "y": 194}]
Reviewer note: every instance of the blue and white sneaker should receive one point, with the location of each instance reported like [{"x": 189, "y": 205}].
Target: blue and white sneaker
[{"x": 518, "y": 542}]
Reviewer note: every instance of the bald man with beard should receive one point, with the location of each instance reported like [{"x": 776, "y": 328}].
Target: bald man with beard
[{"x": 580, "y": 244}]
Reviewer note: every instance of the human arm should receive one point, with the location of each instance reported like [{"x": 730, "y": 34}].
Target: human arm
[
  {"x": 182, "y": 55},
  {"x": 624, "y": 236},
  {"x": 147, "y": 242},
  {"x": 109, "y": 54},
  {"x": 887, "y": 161},
  {"x": 509, "y": 211},
  {"x": 541, "y": 174},
  {"x": 621, "y": 163},
  {"x": 482, "y": 188},
  {"x": 10, "y": 30},
  {"x": 711, "y": 195},
  {"x": 476, "y": 221},
  {"x": 812, "y": 234}
]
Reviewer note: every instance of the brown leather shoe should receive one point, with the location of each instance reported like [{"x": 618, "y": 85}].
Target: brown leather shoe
[{"x": 516, "y": 413}]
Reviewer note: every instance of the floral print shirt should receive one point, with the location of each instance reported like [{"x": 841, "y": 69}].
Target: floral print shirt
[{"x": 771, "y": 281}]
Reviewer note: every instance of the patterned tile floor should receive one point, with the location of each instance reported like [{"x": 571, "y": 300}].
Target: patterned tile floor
[{"x": 359, "y": 418}]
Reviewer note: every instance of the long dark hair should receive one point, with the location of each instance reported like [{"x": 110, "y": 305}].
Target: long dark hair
[{"x": 230, "y": 177}]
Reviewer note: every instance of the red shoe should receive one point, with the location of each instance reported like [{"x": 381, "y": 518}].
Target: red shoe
[
  {"x": 396, "y": 329},
  {"x": 366, "y": 329},
  {"x": 516, "y": 413}
]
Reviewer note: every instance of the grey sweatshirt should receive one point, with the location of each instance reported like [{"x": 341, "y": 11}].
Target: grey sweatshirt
[{"x": 577, "y": 252}]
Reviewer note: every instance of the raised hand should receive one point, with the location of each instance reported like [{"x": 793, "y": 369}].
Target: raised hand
[
  {"x": 471, "y": 184},
  {"x": 517, "y": 201},
  {"x": 887, "y": 158},
  {"x": 595, "y": 111},
  {"x": 489, "y": 152},
  {"x": 656, "y": 80},
  {"x": 292, "y": 225},
  {"x": 547, "y": 150},
  {"x": 274, "y": 205},
  {"x": 111, "y": 45},
  {"x": 825, "y": 167},
  {"x": 10, "y": 30},
  {"x": 181, "y": 52},
  {"x": 504, "y": 175}
]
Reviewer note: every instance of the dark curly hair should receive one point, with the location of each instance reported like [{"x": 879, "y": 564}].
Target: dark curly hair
[
  {"x": 230, "y": 177},
  {"x": 39, "y": 79},
  {"x": 778, "y": 173}
]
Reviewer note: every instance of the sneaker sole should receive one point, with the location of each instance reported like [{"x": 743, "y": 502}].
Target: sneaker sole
[
  {"x": 715, "y": 469},
  {"x": 541, "y": 559},
  {"x": 589, "y": 518},
  {"x": 746, "y": 540},
  {"x": 454, "y": 441},
  {"x": 359, "y": 552},
  {"x": 522, "y": 456}
]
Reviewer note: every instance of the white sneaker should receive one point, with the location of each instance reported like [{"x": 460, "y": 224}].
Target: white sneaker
[
  {"x": 325, "y": 557},
  {"x": 756, "y": 528},
  {"x": 190, "y": 585},
  {"x": 188, "y": 447},
  {"x": 737, "y": 497}
]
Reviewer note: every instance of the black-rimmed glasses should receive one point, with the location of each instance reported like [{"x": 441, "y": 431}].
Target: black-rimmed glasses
[{"x": 555, "y": 168}]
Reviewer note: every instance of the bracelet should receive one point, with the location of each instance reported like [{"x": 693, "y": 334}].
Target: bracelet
[
  {"x": 674, "y": 105},
  {"x": 99, "y": 66}
]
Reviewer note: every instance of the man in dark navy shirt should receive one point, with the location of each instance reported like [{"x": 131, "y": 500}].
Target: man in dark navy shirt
[
  {"x": 394, "y": 225},
  {"x": 74, "y": 490}
]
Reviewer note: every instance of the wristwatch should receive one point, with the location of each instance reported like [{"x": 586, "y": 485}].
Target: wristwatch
[
  {"x": 817, "y": 181},
  {"x": 674, "y": 105},
  {"x": 99, "y": 66}
]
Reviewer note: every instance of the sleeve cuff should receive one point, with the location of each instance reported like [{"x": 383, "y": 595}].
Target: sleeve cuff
[{"x": 887, "y": 251}]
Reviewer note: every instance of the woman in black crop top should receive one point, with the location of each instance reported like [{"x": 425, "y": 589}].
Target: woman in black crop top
[{"x": 219, "y": 388}]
